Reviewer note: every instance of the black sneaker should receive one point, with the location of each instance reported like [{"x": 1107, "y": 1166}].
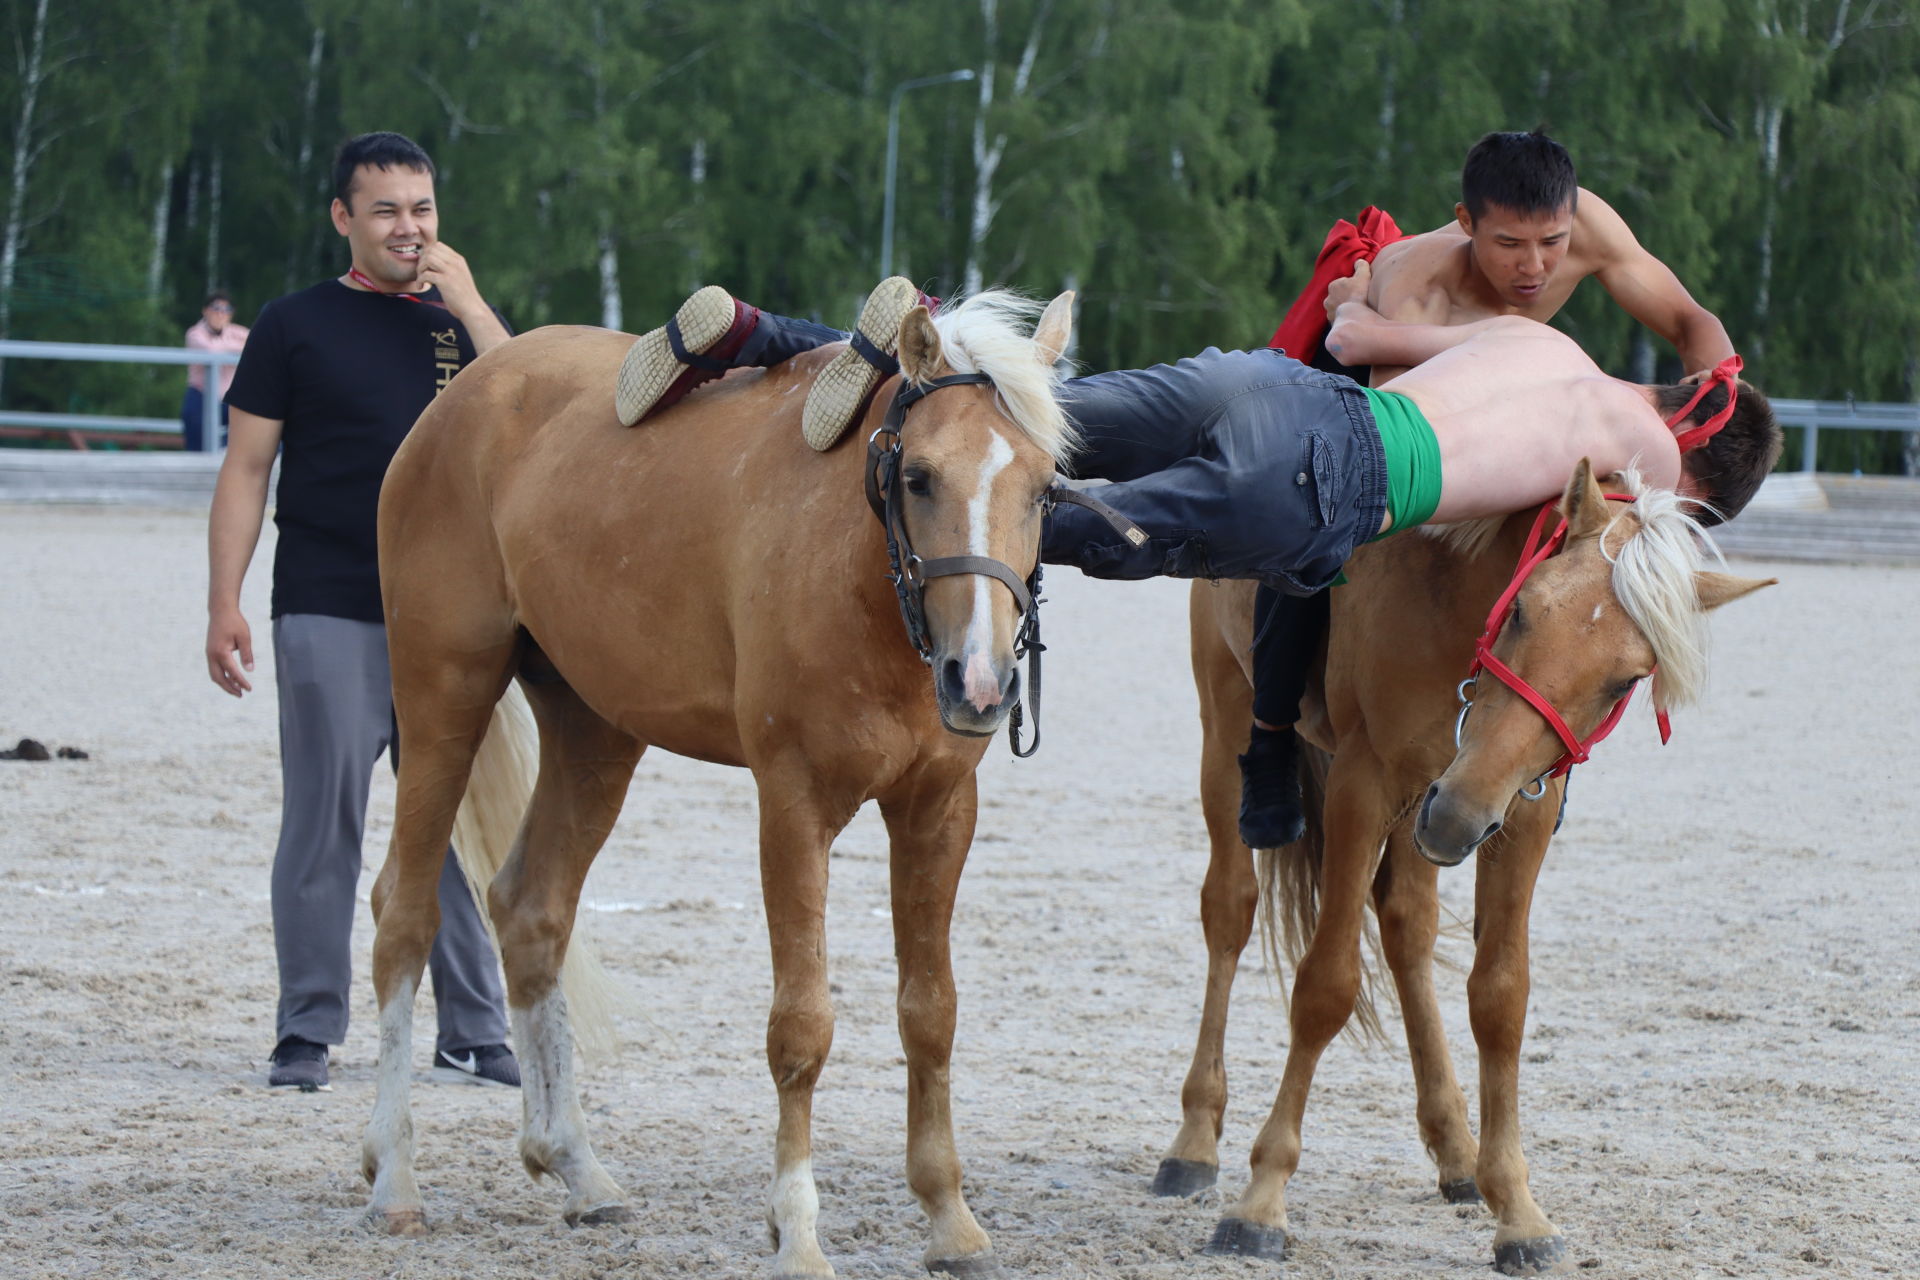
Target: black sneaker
[
  {"x": 299, "y": 1064},
  {"x": 1270, "y": 812},
  {"x": 492, "y": 1064}
]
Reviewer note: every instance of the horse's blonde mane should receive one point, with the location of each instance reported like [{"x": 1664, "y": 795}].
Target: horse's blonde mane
[
  {"x": 990, "y": 332},
  {"x": 1653, "y": 578}
]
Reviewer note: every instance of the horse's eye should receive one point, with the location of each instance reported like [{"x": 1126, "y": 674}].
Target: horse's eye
[
  {"x": 919, "y": 482},
  {"x": 1622, "y": 690}
]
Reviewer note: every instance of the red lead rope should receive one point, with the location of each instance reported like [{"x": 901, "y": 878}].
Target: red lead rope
[{"x": 1532, "y": 555}]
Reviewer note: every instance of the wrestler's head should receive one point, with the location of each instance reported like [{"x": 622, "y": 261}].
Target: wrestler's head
[
  {"x": 383, "y": 204},
  {"x": 1517, "y": 198},
  {"x": 1726, "y": 471}
]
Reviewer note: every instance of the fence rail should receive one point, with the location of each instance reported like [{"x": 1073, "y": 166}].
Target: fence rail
[
  {"x": 1813, "y": 416},
  {"x": 1842, "y": 415},
  {"x": 81, "y": 425}
]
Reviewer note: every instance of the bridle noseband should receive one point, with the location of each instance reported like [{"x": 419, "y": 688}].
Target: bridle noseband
[{"x": 1578, "y": 750}]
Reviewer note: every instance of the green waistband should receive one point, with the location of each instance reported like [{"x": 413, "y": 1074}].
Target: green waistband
[{"x": 1412, "y": 455}]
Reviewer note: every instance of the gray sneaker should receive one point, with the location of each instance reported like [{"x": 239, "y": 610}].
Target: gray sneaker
[
  {"x": 299, "y": 1064},
  {"x": 491, "y": 1064},
  {"x": 841, "y": 390}
]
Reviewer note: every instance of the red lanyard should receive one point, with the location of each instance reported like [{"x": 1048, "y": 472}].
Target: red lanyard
[
  {"x": 1726, "y": 371},
  {"x": 365, "y": 281}
]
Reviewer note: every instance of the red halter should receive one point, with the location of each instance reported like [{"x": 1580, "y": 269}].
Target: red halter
[
  {"x": 1532, "y": 555},
  {"x": 1727, "y": 371}
]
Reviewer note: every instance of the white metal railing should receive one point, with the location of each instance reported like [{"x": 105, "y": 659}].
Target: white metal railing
[
  {"x": 109, "y": 353},
  {"x": 1845, "y": 415}
]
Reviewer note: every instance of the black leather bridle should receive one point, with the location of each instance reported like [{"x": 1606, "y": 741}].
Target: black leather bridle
[{"x": 910, "y": 574}]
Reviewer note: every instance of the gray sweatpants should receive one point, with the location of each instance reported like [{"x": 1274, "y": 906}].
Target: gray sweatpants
[{"x": 336, "y": 717}]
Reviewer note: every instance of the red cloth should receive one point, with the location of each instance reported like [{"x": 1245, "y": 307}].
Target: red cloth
[{"x": 1305, "y": 326}]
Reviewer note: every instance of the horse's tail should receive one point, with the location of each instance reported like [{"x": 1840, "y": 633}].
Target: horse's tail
[
  {"x": 498, "y": 791},
  {"x": 1290, "y": 896}
]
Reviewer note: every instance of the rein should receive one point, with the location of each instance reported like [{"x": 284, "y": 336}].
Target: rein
[
  {"x": 1536, "y": 551},
  {"x": 910, "y": 574}
]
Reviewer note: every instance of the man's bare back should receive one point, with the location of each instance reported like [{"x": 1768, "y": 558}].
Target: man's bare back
[{"x": 1487, "y": 387}]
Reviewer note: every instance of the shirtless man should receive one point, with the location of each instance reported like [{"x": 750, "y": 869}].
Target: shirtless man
[
  {"x": 1249, "y": 464},
  {"x": 1524, "y": 235}
]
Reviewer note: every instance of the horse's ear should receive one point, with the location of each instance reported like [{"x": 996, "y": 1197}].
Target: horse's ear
[
  {"x": 920, "y": 354},
  {"x": 1050, "y": 336},
  {"x": 1716, "y": 589},
  {"x": 1584, "y": 504}
]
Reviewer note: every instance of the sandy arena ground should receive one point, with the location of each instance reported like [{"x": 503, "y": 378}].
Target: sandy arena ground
[{"x": 1720, "y": 1077}]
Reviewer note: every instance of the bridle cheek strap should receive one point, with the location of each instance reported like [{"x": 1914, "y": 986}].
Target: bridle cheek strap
[
  {"x": 1727, "y": 372},
  {"x": 1537, "y": 550}
]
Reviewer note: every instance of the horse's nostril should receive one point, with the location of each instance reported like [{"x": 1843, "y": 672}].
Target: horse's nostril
[
  {"x": 953, "y": 679},
  {"x": 1488, "y": 834}
]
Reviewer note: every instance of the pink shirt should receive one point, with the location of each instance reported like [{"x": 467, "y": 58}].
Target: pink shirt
[{"x": 201, "y": 338}]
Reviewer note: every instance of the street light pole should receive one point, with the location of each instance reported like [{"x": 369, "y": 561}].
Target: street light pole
[{"x": 893, "y": 155}]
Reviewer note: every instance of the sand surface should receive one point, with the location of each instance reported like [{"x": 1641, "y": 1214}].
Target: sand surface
[{"x": 1720, "y": 1076}]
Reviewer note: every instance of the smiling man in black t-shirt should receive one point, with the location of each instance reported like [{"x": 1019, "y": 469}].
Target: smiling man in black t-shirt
[{"x": 332, "y": 380}]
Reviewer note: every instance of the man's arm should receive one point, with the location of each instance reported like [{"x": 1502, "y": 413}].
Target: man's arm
[
  {"x": 447, "y": 271},
  {"x": 1362, "y": 336},
  {"x": 1646, "y": 287},
  {"x": 233, "y": 531}
]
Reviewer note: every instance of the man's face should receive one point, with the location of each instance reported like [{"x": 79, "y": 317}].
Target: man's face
[
  {"x": 1518, "y": 252},
  {"x": 392, "y": 218},
  {"x": 216, "y": 314}
]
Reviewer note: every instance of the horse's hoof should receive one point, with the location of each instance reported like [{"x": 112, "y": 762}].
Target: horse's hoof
[
  {"x": 400, "y": 1222},
  {"x": 1465, "y": 1191},
  {"x": 604, "y": 1215},
  {"x": 1238, "y": 1238},
  {"x": 1184, "y": 1177},
  {"x": 1545, "y": 1256},
  {"x": 975, "y": 1266}
]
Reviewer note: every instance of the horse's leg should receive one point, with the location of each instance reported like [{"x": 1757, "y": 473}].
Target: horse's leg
[
  {"x": 1228, "y": 899},
  {"x": 1525, "y": 1243},
  {"x": 931, "y": 828},
  {"x": 443, "y": 707},
  {"x": 797, "y": 825},
  {"x": 1325, "y": 989},
  {"x": 1406, "y": 897},
  {"x": 585, "y": 766}
]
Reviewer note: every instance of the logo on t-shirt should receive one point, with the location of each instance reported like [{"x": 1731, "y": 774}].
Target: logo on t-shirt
[{"x": 446, "y": 357}]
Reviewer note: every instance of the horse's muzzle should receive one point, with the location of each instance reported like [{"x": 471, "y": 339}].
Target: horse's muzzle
[
  {"x": 1450, "y": 827},
  {"x": 975, "y": 696}
]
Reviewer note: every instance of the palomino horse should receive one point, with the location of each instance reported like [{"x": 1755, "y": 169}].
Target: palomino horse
[
  {"x": 1627, "y": 589},
  {"x": 709, "y": 585}
]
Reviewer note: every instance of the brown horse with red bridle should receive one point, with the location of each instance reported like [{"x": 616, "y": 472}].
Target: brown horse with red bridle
[
  {"x": 1412, "y": 782},
  {"x": 709, "y": 585}
]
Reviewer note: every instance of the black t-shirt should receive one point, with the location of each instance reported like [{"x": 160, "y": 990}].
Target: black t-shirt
[{"x": 347, "y": 372}]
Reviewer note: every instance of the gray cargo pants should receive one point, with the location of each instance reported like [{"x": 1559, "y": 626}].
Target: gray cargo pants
[{"x": 336, "y": 717}]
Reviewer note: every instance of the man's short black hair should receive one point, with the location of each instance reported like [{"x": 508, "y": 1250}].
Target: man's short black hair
[
  {"x": 1729, "y": 467},
  {"x": 218, "y": 295},
  {"x": 376, "y": 151},
  {"x": 1525, "y": 172}
]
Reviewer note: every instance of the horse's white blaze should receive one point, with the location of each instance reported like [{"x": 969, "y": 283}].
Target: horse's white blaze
[{"x": 982, "y": 684}]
